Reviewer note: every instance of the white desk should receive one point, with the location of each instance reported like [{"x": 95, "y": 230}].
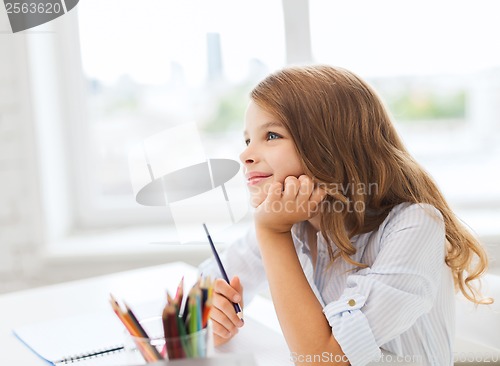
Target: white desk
[
  {"x": 136, "y": 287},
  {"x": 91, "y": 295},
  {"x": 84, "y": 296}
]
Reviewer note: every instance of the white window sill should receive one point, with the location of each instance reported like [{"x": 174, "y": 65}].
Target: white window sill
[
  {"x": 143, "y": 242},
  {"x": 135, "y": 242}
]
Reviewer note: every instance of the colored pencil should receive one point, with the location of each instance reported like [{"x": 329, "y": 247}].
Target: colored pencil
[
  {"x": 142, "y": 333},
  {"x": 182, "y": 330},
  {"x": 167, "y": 331},
  {"x": 145, "y": 351},
  {"x": 172, "y": 340},
  {"x": 180, "y": 290},
  {"x": 193, "y": 322},
  {"x": 206, "y": 312},
  {"x": 182, "y": 334}
]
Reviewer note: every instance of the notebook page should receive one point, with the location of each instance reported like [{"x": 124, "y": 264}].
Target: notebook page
[{"x": 57, "y": 339}]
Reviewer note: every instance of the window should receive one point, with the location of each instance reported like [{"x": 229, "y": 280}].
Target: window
[
  {"x": 435, "y": 66},
  {"x": 153, "y": 64}
]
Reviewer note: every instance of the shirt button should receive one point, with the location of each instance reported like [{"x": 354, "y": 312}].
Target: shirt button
[{"x": 351, "y": 302}]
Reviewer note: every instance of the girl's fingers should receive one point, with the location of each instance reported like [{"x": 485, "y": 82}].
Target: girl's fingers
[
  {"x": 223, "y": 288},
  {"x": 224, "y": 296},
  {"x": 306, "y": 188},
  {"x": 236, "y": 284},
  {"x": 317, "y": 197},
  {"x": 318, "y": 194},
  {"x": 298, "y": 201},
  {"x": 227, "y": 308},
  {"x": 291, "y": 188},
  {"x": 275, "y": 191},
  {"x": 222, "y": 325},
  {"x": 219, "y": 339}
]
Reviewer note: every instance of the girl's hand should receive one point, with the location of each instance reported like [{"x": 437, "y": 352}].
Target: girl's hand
[
  {"x": 224, "y": 319},
  {"x": 299, "y": 200}
]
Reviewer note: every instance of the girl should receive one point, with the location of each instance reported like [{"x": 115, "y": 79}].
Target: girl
[{"x": 358, "y": 245}]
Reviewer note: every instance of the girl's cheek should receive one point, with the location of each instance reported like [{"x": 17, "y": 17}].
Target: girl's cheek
[
  {"x": 255, "y": 201},
  {"x": 257, "y": 196}
]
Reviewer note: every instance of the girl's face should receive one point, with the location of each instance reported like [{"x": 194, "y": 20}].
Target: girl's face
[{"x": 270, "y": 155}]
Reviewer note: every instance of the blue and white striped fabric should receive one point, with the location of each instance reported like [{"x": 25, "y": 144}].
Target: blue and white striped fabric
[{"x": 403, "y": 302}]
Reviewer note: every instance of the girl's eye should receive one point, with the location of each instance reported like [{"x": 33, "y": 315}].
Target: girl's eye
[
  {"x": 247, "y": 142},
  {"x": 272, "y": 136}
]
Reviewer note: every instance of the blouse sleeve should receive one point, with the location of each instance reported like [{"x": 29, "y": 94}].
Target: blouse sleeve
[
  {"x": 242, "y": 258},
  {"x": 383, "y": 301}
]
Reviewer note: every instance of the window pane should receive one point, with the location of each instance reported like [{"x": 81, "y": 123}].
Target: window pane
[
  {"x": 154, "y": 64},
  {"x": 436, "y": 66}
]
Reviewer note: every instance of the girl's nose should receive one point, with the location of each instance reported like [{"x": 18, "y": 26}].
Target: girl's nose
[{"x": 246, "y": 157}]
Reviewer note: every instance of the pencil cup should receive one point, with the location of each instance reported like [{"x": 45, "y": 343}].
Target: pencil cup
[
  {"x": 195, "y": 345},
  {"x": 155, "y": 347}
]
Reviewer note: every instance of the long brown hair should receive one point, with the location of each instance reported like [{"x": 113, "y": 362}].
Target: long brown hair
[{"x": 345, "y": 138}]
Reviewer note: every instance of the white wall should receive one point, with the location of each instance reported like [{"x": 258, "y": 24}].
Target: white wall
[
  {"x": 25, "y": 260},
  {"x": 19, "y": 206}
]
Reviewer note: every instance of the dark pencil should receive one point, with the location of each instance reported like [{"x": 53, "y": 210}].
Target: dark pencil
[
  {"x": 142, "y": 333},
  {"x": 236, "y": 306}
]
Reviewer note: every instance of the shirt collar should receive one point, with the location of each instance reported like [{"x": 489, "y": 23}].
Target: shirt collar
[{"x": 299, "y": 236}]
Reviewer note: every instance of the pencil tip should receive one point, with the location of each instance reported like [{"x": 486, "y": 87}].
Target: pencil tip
[
  {"x": 206, "y": 230},
  {"x": 170, "y": 299}
]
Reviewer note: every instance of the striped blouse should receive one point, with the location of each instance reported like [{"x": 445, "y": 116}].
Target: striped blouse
[{"x": 403, "y": 302}]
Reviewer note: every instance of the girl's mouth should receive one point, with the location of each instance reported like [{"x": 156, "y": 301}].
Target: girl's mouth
[{"x": 256, "y": 178}]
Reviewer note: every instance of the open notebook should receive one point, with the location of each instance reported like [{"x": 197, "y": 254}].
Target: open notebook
[
  {"x": 99, "y": 338},
  {"x": 77, "y": 338}
]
